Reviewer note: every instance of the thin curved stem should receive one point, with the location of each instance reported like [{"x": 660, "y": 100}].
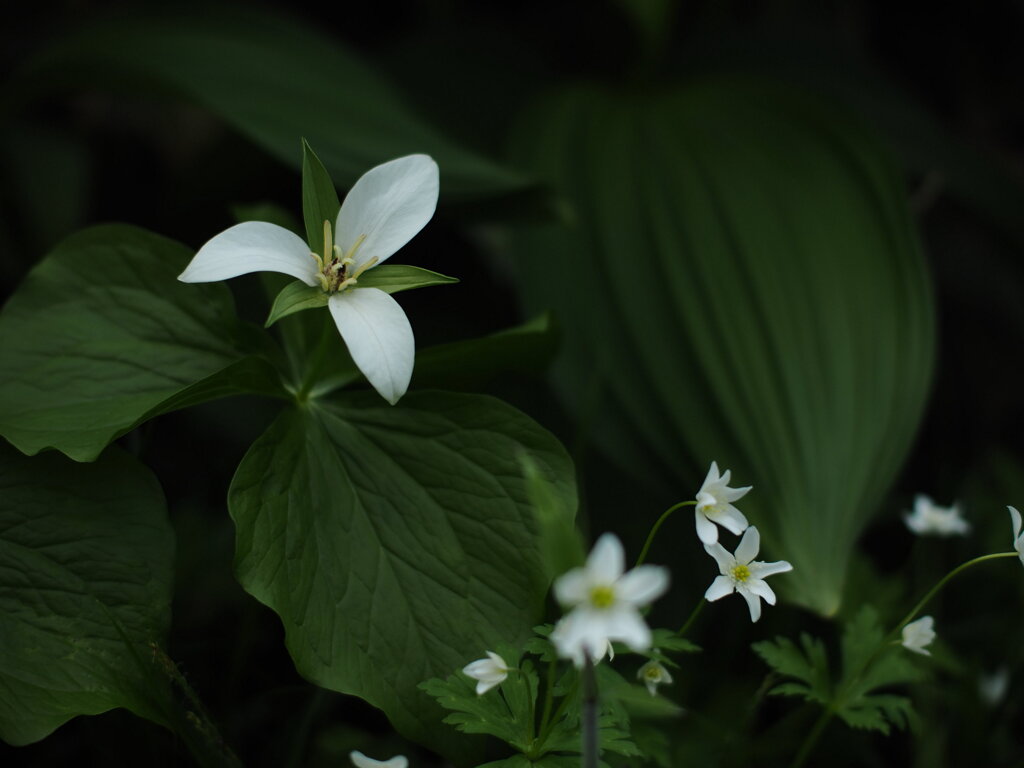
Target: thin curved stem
[
  {"x": 657, "y": 525},
  {"x": 693, "y": 617},
  {"x": 823, "y": 720}
]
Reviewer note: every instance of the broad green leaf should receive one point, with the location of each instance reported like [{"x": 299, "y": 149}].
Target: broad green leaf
[
  {"x": 86, "y": 558},
  {"x": 392, "y": 278},
  {"x": 319, "y": 200},
  {"x": 273, "y": 79},
  {"x": 739, "y": 281},
  {"x": 396, "y": 543},
  {"x": 561, "y": 545},
  {"x": 295, "y": 297},
  {"x": 101, "y": 336}
]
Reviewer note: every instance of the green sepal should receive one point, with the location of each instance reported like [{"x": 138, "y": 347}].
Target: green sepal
[
  {"x": 392, "y": 278},
  {"x": 319, "y": 198},
  {"x": 296, "y": 297}
]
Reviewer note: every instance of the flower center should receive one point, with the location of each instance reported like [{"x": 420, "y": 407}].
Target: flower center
[
  {"x": 602, "y": 597},
  {"x": 740, "y": 573},
  {"x": 336, "y": 270},
  {"x": 653, "y": 674}
]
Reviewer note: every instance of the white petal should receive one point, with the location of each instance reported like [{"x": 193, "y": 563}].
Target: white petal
[
  {"x": 749, "y": 545},
  {"x": 761, "y": 589},
  {"x": 642, "y": 584},
  {"x": 389, "y": 204},
  {"x": 761, "y": 570},
  {"x": 1016, "y": 521},
  {"x": 732, "y": 519},
  {"x": 707, "y": 531},
  {"x": 724, "y": 559},
  {"x": 720, "y": 587},
  {"x": 572, "y": 588},
  {"x": 378, "y": 336},
  {"x": 753, "y": 603},
  {"x": 711, "y": 477},
  {"x": 581, "y": 632},
  {"x": 733, "y": 494},
  {"x": 606, "y": 560},
  {"x": 362, "y": 761},
  {"x": 627, "y": 626},
  {"x": 252, "y": 246}
]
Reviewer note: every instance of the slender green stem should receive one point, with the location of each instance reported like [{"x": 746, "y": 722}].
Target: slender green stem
[
  {"x": 589, "y": 716},
  {"x": 549, "y": 696},
  {"x": 693, "y": 617},
  {"x": 826, "y": 716},
  {"x": 531, "y": 726},
  {"x": 558, "y": 712},
  {"x": 657, "y": 525}
]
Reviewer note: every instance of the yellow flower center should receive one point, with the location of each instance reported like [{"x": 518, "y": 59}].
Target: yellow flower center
[
  {"x": 602, "y": 597},
  {"x": 653, "y": 673},
  {"x": 740, "y": 573},
  {"x": 335, "y": 269}
]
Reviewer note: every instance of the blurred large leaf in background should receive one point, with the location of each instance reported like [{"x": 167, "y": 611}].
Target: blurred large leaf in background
[
  {"x": 396, "y": 543},
  {"x": 86, "y": 555},
  {"x": 738, "y": 280},
  {"x": 270, "y": 77}
]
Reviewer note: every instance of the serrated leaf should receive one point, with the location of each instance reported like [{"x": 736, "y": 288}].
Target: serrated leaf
[
  {"x": 395, "y": 538},
  {"x": 319, "y": 200},
  {"x": 809, "y": 664},
  {"x": 700, "y": 214},
  {"x": 486, "y": 714},
  {"x": 101, "y": 336},
  {"x": 392, "y": 278},
  {"x": 86, "y": 558},
  {"x": 296, "y": 297},
  {"x": 667, "y": 640}
]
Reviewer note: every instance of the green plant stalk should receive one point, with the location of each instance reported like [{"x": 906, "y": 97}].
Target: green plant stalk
[
  {"x": 826, "y": 716},
  {"x": 588, "y": 716},
  {"x": 654, "y": 529},
  {"x": 693, "y": 617}
]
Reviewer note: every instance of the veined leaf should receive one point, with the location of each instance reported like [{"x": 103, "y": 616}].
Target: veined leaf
[
  {"x": 395, "y": 543},
  {"x": 739, "y": 281},
  {"x": 274, "y": 80},
  {"x": 394, "y": 278},
  {"x": 86, "y": 558},
  {"x": 101, "y": 336},
  {"x": 296, "y": 297},
  {"x": 319, "y": 200}
]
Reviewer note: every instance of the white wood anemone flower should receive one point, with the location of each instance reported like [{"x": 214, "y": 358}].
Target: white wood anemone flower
[
  {"x": 387, "y": 206},
  {"x": 741, "y": 573},
  {"x": 929, "y": 519},
  {"x": 359, "y": 760},
  {"x": 605, "y": 602},
  {"x": 487, "y": 672},
  {"x": 652, "y": 674},
  {"x": 1018, "y": 537},
  {"x": 714, "y": 505},
  {"x": 919, "y": 634}
]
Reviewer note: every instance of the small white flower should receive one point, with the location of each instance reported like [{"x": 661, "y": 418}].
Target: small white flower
[
  {"x": 359, "y": 760},
  {"x": 992, "y": 687},
  {"x": 740, "y": 573},
  {"x": 605, "y": 603},
  {"x": 919, "y": 634},
  {"x": 387, "y": 206},
  {"x": 1018, "y": 537},
  {"x": 487, "y": 672},
  {"x": 653, "y": 674},
  {"x": 929, "y": 519},
  {"x": 714, "y": 505}
]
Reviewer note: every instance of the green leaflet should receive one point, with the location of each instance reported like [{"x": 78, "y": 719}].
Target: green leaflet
[
  {"x": 86, "y": 558},
  {"x": 274, "y": 80},
  {"x": 395, "y": 538},
  {"x": 296, "y": 297},
  {"x": 319, "y": 199},
  {"x": 739, "y": 281},
  {"x": 101, "y": 336}
]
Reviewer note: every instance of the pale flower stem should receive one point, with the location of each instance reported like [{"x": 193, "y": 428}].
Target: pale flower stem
[
  {"x": 549, "y": 697},
  {"x": 546, "y": 730},
  {"x": 657, "y": 525},
  {"x": 693, "y": 617},
  {"x": 588, "y": 716},
  {"x": 815, "y": 733}
]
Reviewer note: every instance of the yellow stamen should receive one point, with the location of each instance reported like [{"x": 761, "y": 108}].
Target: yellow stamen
[
  {"x": 740, "y": 573},
  {"x": 602, "y": 596},
  {"x": 365, "y": 267},
  {"x": 355, "y": 247},
  {"x": 328, "y": 241}
]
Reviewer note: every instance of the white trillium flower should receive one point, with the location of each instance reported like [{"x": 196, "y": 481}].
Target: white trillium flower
[
  {"x": 1018, "y": 537},
  {"x": 714, "y": 505},
  {"x": 387, "y": 206},
  {"x": 359, "y": 760},
  {"x": 918, "y": 634},
  {"x": 487, "y": 672},
  {"x": 605, "y": 603},
  {"x": 653, "y": 674},
  {"x": 741, "y": 573},
  {"x": 929, "y": 519}
]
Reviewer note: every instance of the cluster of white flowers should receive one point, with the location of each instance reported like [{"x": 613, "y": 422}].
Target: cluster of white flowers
[
  {"x": 739, "y": 572},
  {"x": 929, "y": 519}
]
